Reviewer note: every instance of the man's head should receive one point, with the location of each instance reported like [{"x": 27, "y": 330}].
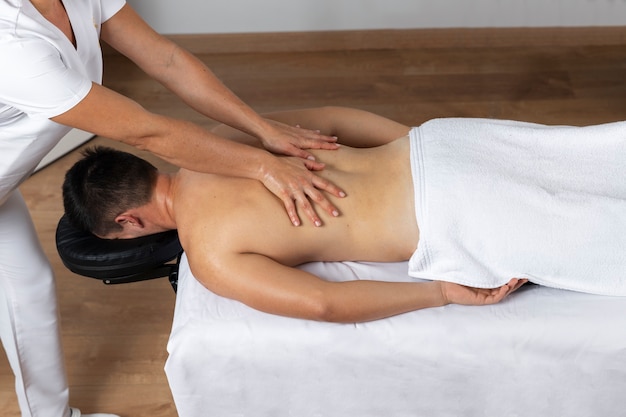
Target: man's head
[{"x": 104, "y": 184}]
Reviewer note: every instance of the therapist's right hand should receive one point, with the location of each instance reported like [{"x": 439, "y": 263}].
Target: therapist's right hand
[{"x": 293, "y": 180}]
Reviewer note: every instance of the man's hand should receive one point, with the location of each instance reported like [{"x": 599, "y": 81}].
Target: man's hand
[
  {"x": 291, "y": 180},
  {"x": 460, "y": 294},
  {"x": 292, "y": 141}
]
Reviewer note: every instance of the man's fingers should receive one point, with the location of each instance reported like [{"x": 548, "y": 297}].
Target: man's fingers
[
  {"x": 519, "y": 282},
  {"x": 509, "y": 288},
  {"x": 498, "y": 294}
]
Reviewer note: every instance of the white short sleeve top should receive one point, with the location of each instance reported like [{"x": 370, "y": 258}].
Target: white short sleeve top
[{"x": 43, "y": 75}]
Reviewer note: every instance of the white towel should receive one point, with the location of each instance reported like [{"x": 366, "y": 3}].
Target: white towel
[{"x": 503, "y": 199}]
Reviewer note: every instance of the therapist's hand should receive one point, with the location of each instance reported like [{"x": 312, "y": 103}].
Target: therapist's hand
[
  {"x": 293, "y": 140},
  {"x": 291, "y": 179}
]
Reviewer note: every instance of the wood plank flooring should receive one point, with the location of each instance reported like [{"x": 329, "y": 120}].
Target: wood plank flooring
[{"x": 115, "y": 336}]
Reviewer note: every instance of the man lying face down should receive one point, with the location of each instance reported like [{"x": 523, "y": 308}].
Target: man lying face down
[{"x": 239, "y": 246}]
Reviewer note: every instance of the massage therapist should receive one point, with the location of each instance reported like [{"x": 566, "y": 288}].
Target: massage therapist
[{"x": 50, "y": 75}]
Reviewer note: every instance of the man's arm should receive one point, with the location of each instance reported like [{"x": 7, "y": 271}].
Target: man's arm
[
  {"x": 352, "y": 127},
  {"x": 266, "y": 285}
]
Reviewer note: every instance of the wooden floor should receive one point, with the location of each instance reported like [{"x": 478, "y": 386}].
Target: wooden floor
[{"x": 115, "y": 336}]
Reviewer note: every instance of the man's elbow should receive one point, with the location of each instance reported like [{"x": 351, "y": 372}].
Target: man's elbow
[{"x": 321, "y": 307}]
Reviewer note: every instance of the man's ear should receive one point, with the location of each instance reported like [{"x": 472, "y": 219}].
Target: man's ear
[{"x": 129, "y": 219}]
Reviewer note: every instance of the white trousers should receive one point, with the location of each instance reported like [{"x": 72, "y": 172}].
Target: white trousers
[{"x": 29, "y": 326}]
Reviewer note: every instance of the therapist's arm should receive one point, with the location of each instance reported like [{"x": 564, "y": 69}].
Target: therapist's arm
[
  {"x": 191, "y": 80},
  {"x": 354, "y": 127},
  {"x": 185, "y": 144}
]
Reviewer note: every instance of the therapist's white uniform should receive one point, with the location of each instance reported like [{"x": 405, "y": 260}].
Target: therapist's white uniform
[{"x": 42, "y": 75}]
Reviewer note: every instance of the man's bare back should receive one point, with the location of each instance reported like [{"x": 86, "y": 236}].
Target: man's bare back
[{"x": 377, "y": 221}]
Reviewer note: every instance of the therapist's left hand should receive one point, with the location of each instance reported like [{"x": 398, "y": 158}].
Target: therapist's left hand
[{"x": 293, "y": 140}]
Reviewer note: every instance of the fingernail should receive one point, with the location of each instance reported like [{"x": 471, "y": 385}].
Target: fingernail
[
  {"x": 318, "y": 223},
  {"x": 335, "y": 213},
  {"x": 342, "y": 194},
  {"x": 310, "y": 158}
]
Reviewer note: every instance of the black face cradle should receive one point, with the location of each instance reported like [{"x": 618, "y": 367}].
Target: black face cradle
[{"x": 118, "y": 261}]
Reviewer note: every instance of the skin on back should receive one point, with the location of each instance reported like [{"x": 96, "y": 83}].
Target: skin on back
[
  {"x": 377, "y": 221},
  {"x": 239, "y": 248}
]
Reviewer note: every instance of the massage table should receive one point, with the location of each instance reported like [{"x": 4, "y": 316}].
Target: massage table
[{"x": 540, "y": 352}]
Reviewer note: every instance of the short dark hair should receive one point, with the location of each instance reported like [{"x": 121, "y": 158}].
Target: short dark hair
[{"x": 102, "y": 185}]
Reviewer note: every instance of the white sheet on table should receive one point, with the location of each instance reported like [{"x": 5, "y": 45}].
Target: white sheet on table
[{"x": 541, "y": 352}]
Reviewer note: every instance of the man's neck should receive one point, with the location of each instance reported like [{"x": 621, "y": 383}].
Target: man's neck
[{"x": 162, "y": 200}]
